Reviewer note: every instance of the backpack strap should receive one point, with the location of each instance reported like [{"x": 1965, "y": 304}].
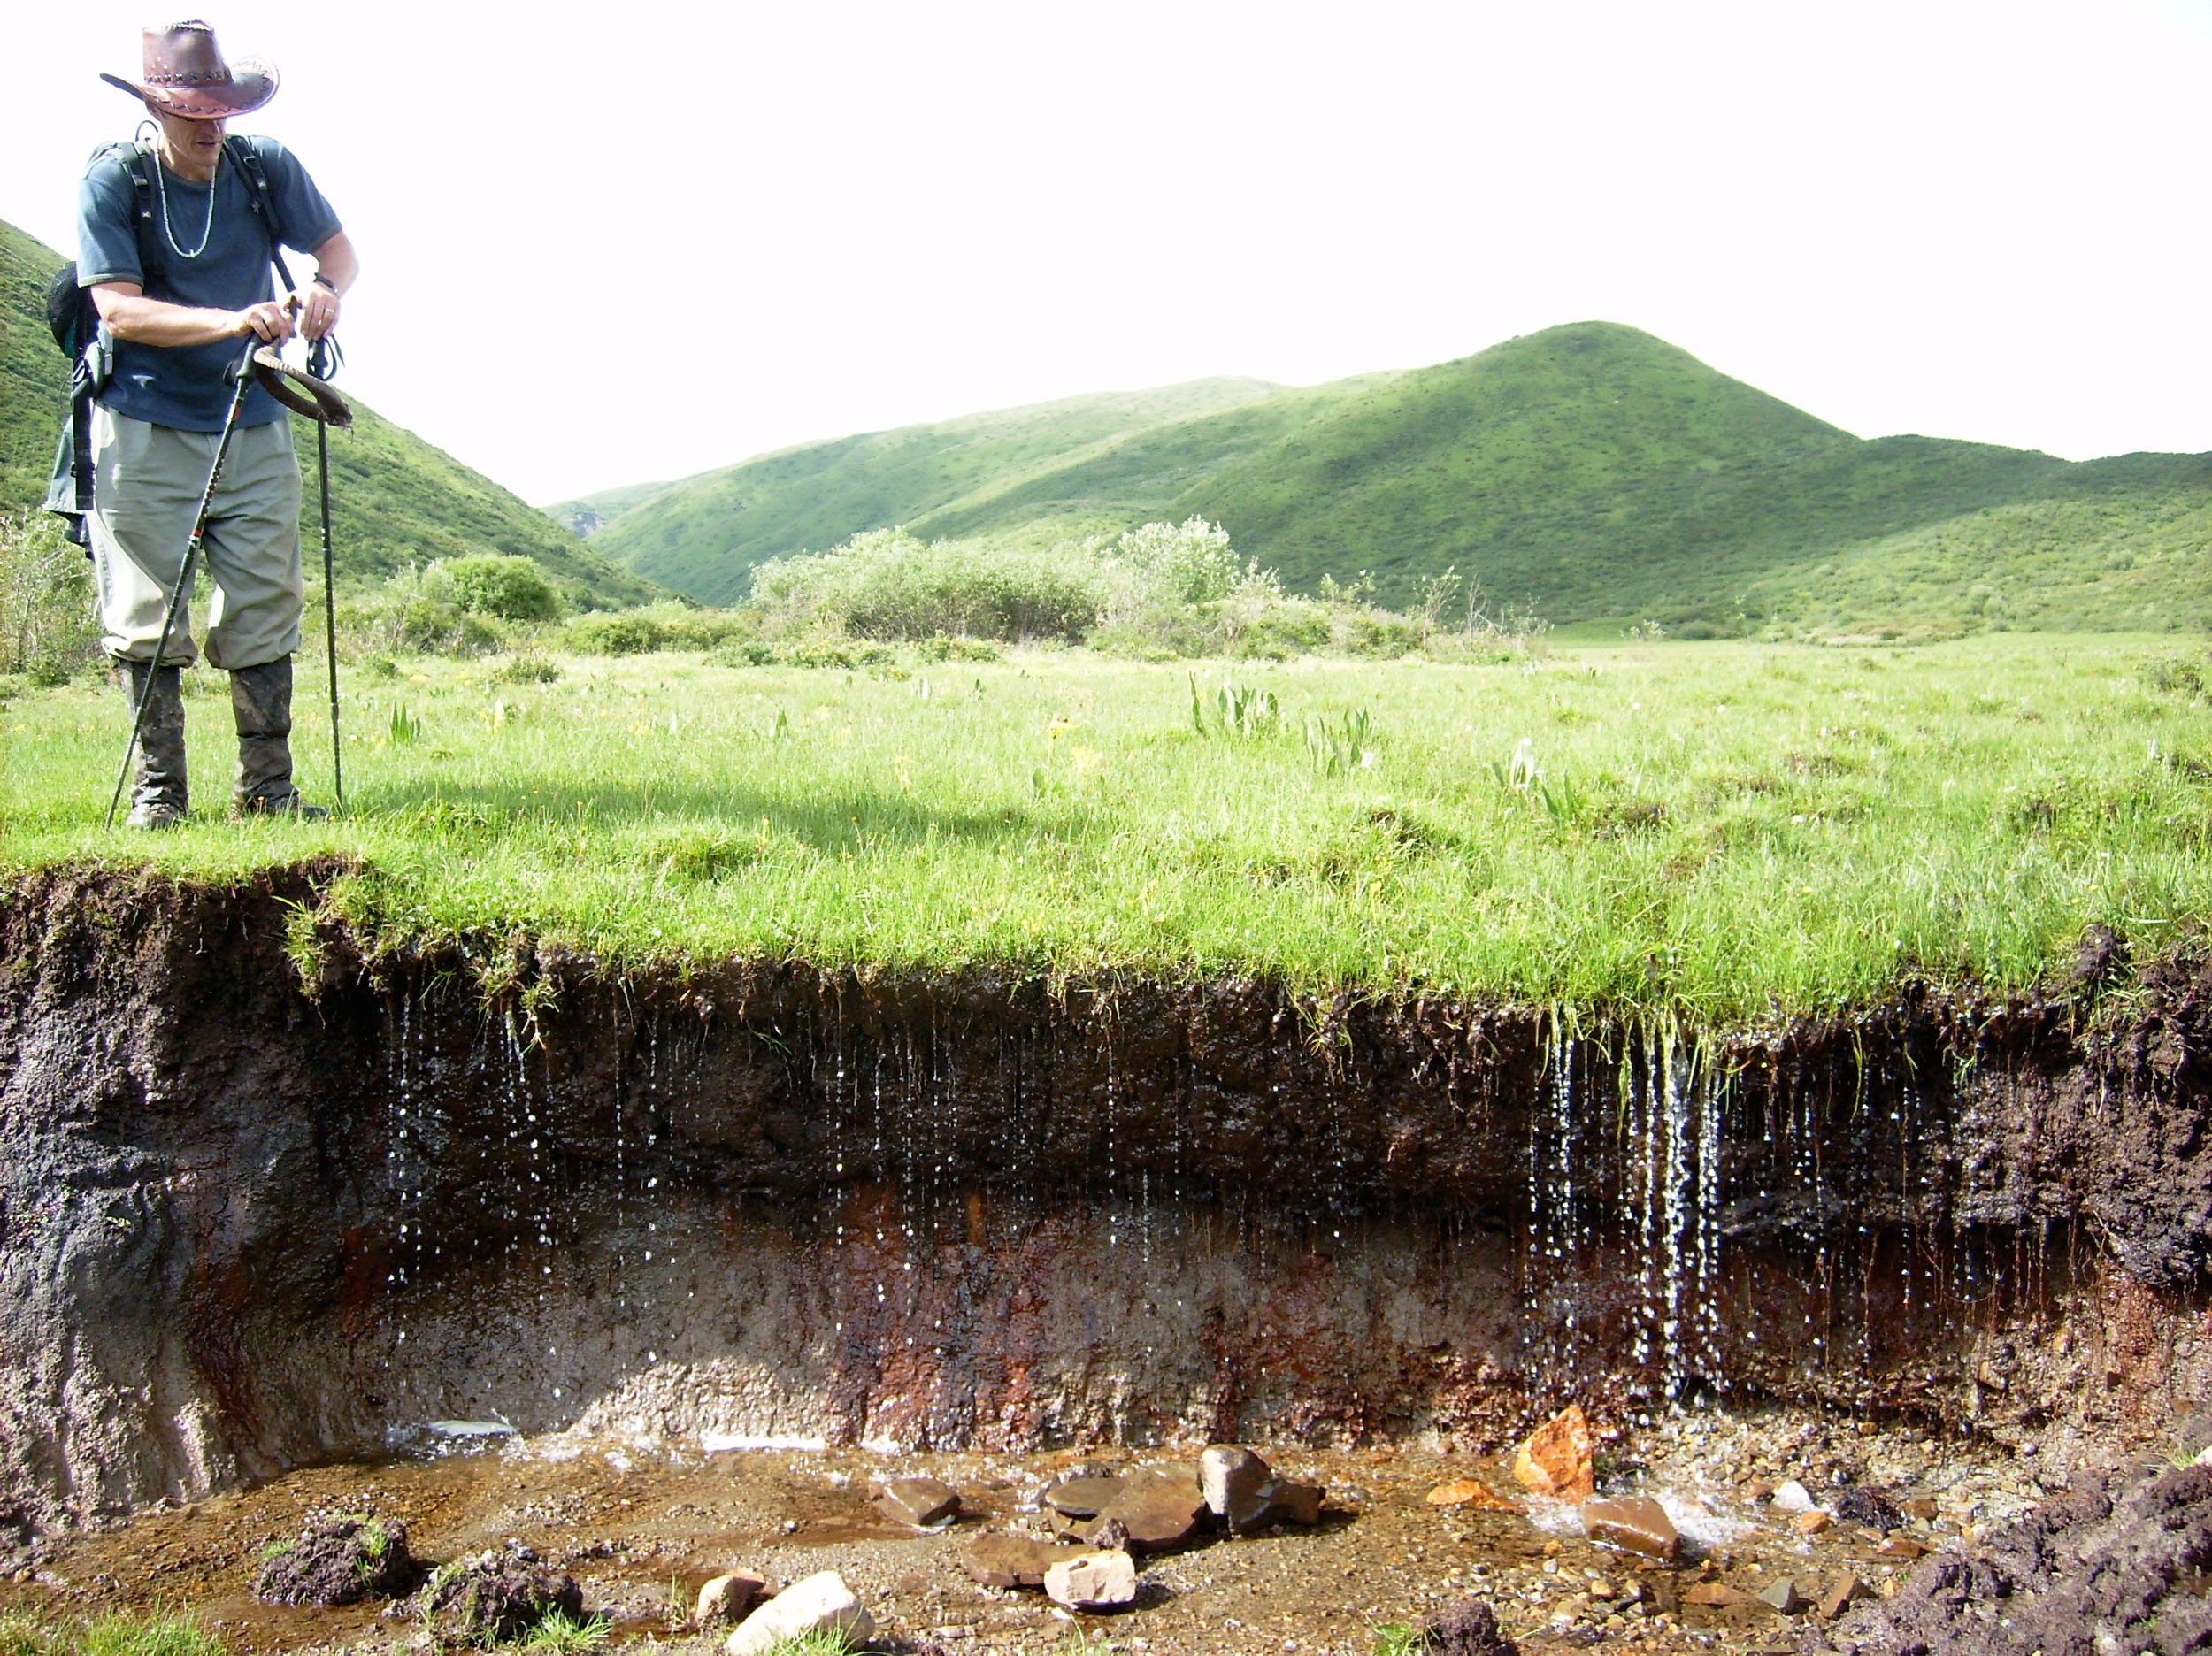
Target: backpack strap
[
  {"x": 137, "y": 163},
  {"x": 246, "y": 159}
]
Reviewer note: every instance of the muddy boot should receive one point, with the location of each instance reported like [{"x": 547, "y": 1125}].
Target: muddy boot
[
  {"x": 157, "y": 791},
  {"x": 261, "y": 702}
]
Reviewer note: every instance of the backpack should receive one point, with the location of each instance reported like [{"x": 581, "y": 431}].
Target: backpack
[{"x": 74, "y": 320}]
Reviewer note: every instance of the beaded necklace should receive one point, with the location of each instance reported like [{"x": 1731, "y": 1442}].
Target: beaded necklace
[{"x": 161, "y": 189}]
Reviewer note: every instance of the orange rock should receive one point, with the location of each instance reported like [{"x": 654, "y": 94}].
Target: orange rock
[
  {"x": 1811, "y": 1522},
  {"x": 1556, "y": 1459},
  {"x": 1467, "y": 1492}
]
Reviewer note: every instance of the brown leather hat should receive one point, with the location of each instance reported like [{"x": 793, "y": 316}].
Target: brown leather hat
[{"x": 186, "y": 76}]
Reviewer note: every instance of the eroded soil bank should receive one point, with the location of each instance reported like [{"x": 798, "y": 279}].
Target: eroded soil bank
[{"x": 265, "y": 1204}]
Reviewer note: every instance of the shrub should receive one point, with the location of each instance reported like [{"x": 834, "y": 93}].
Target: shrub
[
  {"x": 47, "y": 630},
  {"x": 492, "y": 583},
  {"x": 663, "y": 627},
  {"x": 888, "y": 585}
]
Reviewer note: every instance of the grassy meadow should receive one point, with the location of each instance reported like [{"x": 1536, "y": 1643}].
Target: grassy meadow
[{"x": 1726, "y": 830}]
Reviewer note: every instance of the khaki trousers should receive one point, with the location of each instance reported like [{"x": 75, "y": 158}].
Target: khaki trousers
[{"x": 147, "y": 480}]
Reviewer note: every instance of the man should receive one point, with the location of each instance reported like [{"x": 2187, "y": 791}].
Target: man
[{"x": 159, "y": 418}]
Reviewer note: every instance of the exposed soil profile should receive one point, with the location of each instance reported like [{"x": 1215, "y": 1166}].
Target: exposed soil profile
[{"x": 250, "y": 1223}]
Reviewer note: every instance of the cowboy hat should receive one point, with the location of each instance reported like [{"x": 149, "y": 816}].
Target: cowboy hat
[{"x": 186, "y": 76}]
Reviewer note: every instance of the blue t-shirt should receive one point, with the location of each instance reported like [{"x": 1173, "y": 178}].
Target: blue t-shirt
[{"x": 183, "y": 386}]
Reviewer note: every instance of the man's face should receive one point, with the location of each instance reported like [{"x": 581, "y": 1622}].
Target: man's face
[{"x": 190, "y": 146}]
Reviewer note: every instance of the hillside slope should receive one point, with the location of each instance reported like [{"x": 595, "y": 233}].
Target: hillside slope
[
  {"x": 396, "y": 500},
  {"x": 703, "y": 535},
  {"x": 1591, "y": 471}
]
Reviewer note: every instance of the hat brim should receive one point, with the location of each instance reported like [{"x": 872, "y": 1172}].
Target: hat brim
[{"x": 252, "y": 83}]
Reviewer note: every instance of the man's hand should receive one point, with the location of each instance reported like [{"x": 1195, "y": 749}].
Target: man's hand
[
  {"x": 269, "y": 320},
  {"x": 316, "y": 307}
]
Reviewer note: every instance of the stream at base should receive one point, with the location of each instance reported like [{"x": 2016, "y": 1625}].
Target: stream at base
[{"x": 641, "y": 1525}]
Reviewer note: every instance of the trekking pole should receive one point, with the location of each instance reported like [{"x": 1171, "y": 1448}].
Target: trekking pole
[
  {"x": 240, "y": 377},
  {"x": 330, "y": 608},
  {"x": 310, "y": 394}
]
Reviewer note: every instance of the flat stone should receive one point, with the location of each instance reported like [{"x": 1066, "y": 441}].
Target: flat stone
[
  {"x": 1635, "y": 1524},
  {"x": 920, "y": 1501},
  {"x": 1005, "y": 1560},
  {"x": 1101, "y": 1581},
  {"x": 1921, "y": 1508},
  {"x": 1470, "y": 1492},
  {"x": 1082, "y": 1496},
  {"x": 1151, "y": 1512},
  {"x": 1782, "y": 1597},
  {"x": 1234, "y": 1481},
  {"x": 727, "y": 1597},
  {"x": 1558, "y": 1458},
  {"x": 1840, "y": 1593},
  {"x": 820, "y": 1604},
  {"x": 1899, "y": 1546},
  {"x": 1811, "y": 1522},
  {"x": 1289, "y": 1501},
  {"x": 1716, "y": 1596}
]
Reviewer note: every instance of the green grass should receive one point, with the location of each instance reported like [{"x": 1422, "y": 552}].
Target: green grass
[
  {"x": 1591, "y": 471},
  {"x": 1400, "y": 1638},
  {"x": 148, "y": 1633},
  {"x": 560, "y": 1634},
  {"x": 1729, "y": 831},
  {"x": 396, "y": 500}
]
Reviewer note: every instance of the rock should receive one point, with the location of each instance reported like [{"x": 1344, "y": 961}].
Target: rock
[
  {"x": 920, "y": 1501},
  {"x": 1870, "y": 1507},
  {"x": 1716, "y": 1596},
  {"x": 1791, "y": 1496},
  {"x": 1469, "y": 1627},
  {"x": 1082, "y": 1496},
  {"x": 1005, "y": 1560},
  {"x": 1233, "y": 1482},
  {"x": 1152, "y": 1512},
  {"x": 494, "y": 1597},
  {"x": 1098, "y": 1581},
  {"x": 727, "y": 1597},
  {"x": 1840, "y": 1593},
  {"x": 1782, "y": 1597},
  {"x": 1899, "y": 1546},
  {"x": 1922, "y": 1508},
  {"x": 1811, "y": 1522},
  {"x": 339, "y": 1558},
  {"x": 1289, "y": 1501},
  {"x": 819, "y": 1604},
  {"x": 1635, "y": 1524},
  {"x": 1557, "y": 1458},
  {"x": 1471, "y": 1493}
]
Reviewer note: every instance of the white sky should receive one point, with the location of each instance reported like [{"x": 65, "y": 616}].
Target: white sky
[{"x": 611, "y": 243}]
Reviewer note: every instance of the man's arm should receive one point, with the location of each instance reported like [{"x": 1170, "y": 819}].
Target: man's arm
[
  {"x": 337, "y": 264},
  {"x": 130, "y": 315}
]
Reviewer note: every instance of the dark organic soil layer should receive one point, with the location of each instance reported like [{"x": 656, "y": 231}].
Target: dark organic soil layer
[{"x": 250, "y": 1223}]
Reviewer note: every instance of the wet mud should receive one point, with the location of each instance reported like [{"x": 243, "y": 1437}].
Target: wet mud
[{"x": 273, "y": 1196}]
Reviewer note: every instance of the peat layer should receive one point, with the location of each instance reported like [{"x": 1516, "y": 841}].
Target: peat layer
[{"x": 266, "y": 1199}]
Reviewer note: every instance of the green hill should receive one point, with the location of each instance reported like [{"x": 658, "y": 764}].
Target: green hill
[
  {"x": 1591, "y": 471},
  {"x": 703, "y": 535},
  {"x": 396, "y": 500}
]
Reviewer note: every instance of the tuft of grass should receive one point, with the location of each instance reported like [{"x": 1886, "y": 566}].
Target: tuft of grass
[
  {"x": 155, "y": 1632},
  {"x": 821, "y": 1642},
  {"x": 559, "y": 1634},
  {"x": 1400, "y": 1638},
  {"x": 22, "y": 1633}
]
